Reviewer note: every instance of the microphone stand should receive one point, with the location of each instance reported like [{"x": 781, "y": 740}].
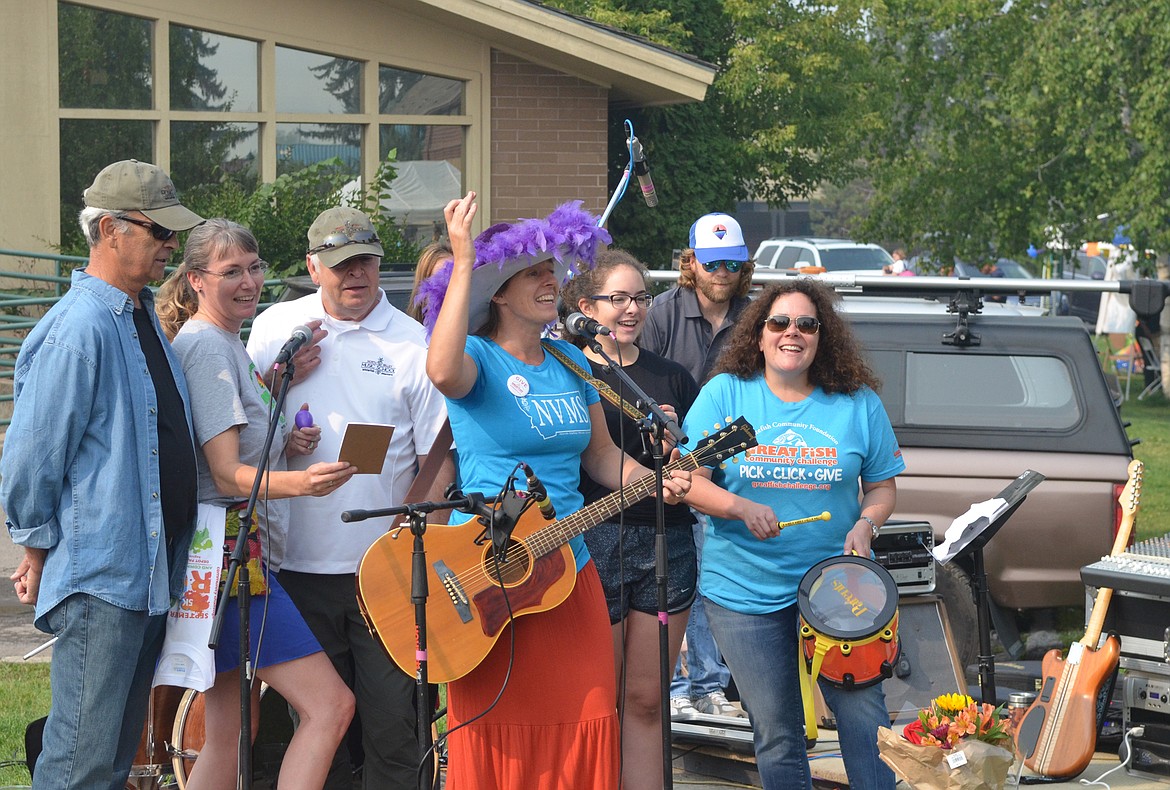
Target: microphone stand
[
  {"x": 419, "y": 591},
  {"x": 238, "y": 566},
  {"x": 655, "y": 427}
]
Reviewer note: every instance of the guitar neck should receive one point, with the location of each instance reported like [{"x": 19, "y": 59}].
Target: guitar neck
[
  {"x": 557, "y": 534},
  {"x": 1104, "y": 594}
]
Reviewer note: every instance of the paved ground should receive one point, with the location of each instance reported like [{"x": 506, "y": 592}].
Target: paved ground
[{"x": 17, "y": 633}]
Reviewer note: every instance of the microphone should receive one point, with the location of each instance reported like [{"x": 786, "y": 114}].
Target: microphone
[
  {"x": 578, "y": 324},
  {"x": 642, "y": 171},
  {"x": 301, "y": 335},
  {"x": 538, "y": 492}
]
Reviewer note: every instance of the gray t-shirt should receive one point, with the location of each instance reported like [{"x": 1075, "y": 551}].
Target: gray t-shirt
[{"x": 227, "y": 391}]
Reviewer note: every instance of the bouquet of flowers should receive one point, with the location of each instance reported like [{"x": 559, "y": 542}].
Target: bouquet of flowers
[{"x": 954, "y": 744}]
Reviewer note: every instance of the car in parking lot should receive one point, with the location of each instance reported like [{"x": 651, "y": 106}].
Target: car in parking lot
[
  {"x": 829, "y": 255},
  {"x": 971, "y": 417}
]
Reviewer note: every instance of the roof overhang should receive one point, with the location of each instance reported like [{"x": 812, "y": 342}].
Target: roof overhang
[{"x": 636, "y": 71}]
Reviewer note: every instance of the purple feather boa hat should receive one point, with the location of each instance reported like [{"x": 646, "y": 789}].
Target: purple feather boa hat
[{"x": 569, "y": 237}]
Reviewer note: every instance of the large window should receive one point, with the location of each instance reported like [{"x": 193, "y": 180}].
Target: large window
[{"x": 214, "y": 122}]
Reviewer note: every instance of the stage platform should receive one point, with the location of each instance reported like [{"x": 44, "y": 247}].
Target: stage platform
[
  {"x": 715, "y": 752},
  {"x": 700, "y": 767}
]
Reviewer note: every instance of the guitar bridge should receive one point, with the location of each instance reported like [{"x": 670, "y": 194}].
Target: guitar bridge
[{"x": 454, "y": 590}]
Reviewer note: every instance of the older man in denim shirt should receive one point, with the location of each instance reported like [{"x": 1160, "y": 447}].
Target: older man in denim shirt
[{"x": 99, "y": 479}]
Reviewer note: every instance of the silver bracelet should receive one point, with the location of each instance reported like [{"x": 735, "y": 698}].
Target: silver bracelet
[{"x": 873, "y": 525}]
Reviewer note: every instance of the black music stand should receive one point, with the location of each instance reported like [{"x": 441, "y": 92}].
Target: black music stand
[{"x": 968, "y": 534}]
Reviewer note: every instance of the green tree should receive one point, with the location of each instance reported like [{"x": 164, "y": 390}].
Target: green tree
[
  {"x": 280, "y": 213},
  {"x": 786, "y": 112}
]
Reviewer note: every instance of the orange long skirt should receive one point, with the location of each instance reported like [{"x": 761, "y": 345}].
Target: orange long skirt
[{"x": 555, "y": 726}]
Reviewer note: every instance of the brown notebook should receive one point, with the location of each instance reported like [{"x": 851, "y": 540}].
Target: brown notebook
[{"x": 364, "y": 445}]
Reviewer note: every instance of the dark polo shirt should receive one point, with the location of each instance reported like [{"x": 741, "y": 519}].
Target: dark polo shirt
[{"x": 677, "y": 330}]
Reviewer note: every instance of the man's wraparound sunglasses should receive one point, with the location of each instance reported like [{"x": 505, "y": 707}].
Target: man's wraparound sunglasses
[
  {"x": 732, "y": 266},
  {"x": 156, "y": 230},
  {"x": 805, "y": 324},
  {"x": 340, "y": 239}
]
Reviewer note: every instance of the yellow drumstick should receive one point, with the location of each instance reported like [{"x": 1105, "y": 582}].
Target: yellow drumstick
[{"x": 822, "y": 517}]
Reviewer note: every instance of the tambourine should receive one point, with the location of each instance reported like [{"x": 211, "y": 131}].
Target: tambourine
[{"x": 849, "y": 621}]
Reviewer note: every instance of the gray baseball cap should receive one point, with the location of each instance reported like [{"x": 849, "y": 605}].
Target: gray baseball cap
[
  {"x": 131, "y": 185},
  {"x": 341, "y": 233}
]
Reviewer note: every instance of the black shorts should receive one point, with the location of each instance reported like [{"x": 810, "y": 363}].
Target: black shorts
[{"x": 626, "y": 568}]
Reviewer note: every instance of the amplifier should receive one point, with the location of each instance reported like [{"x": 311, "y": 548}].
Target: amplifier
[
  {"x": 904, "y": 549},
  {"x": 1147, "y": 705},
  {"x": 1140, "y": 608}
]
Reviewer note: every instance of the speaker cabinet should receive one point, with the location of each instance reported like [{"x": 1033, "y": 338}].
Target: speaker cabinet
[{"x": 928, "y": 664}]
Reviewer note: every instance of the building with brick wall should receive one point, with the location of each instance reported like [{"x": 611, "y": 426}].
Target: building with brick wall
[{"x": 513, "y": 96}]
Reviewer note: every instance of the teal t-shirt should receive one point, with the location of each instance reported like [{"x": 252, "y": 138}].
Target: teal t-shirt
[
  {"x": 811, "y": 457},
  {"x": 538, "y": 414}
]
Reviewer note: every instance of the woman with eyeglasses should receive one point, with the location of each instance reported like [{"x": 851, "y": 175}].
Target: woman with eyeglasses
[
  {"x": 794, "y": 369},
  {"x": 202, "y": 306},
  {"x": 614, "y": 293}
]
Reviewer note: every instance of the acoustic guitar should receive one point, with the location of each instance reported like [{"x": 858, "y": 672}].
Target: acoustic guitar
[
  {"x": 472, "y": 596},
  {"x": 1058, "y": 734}
]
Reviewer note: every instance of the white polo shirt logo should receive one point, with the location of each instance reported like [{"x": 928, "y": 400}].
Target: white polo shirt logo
[{"x": 378, "y": 366}]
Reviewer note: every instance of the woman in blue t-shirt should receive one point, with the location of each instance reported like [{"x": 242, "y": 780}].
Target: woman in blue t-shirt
[
  {"x": 795, "y": 371},
  {"x": 539, "y": 711}
]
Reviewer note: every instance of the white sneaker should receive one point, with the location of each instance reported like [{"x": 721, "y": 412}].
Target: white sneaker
[
  {"x": 681, "y": 709},
  {"x": 716, "y": 704}
]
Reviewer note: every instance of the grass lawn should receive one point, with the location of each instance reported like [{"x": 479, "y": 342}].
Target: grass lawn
[
  {"x": 24, "y": 696},
  {"x": 1150, "y": 422}
]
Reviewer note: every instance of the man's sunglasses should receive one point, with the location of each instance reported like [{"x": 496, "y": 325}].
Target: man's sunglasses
[
  {"x": 732, "y": 266},
  {"x": 156, "y": 230},
  {"x": 805, "y": 324},
  {"x": 340, "y": 239}
]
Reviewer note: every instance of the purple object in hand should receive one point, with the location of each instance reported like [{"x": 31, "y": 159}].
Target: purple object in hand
[{"x": 303, "y": 419}]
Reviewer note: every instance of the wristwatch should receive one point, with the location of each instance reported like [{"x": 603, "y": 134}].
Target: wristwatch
[{"x": 872, "y": 525}]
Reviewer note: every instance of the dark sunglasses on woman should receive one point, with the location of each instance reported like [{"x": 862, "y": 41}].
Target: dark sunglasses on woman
[{"x": 805, "y": 324}]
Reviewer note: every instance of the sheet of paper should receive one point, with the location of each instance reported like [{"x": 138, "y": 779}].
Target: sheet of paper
[{"x": 364, "y": 445}]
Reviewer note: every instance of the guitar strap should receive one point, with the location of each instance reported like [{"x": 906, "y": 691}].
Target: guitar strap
[
  {"x": 604, "y": 389},
  {"x": 427, "y": 472}
]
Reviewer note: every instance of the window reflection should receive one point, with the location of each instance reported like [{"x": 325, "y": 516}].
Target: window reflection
[
  {"x": 211, "y": 71},
  {"x": 402, "y": 92},
  {"x": 104, "y": 59},
  {"x": 207, "y": 153},
  {"x": 429, "y": 174},
  {"x": 86, "y": 147},
  {"x": 301, "y": 144},
  {"x": 310, "y": 82}
]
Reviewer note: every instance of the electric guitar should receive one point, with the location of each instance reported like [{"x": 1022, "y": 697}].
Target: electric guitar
[
  {"x": 467, "y": 608},
  {"x": 1058, "y": 734}
]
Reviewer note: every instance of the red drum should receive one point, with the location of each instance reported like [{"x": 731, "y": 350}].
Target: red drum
[
  {"x": 151, "y": 762},
  {"x": 849, "y": 621}
]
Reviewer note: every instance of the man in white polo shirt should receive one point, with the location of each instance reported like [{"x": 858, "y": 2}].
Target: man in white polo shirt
[{"x": 367, "y": 363}]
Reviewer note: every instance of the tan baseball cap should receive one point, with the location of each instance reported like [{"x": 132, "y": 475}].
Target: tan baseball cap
[
  {"x": 341, "y": 233},
  {"x": 131, "y": 185}
]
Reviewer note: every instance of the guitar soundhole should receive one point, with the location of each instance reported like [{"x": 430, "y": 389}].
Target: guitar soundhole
[{"x": 513, "y": 567}]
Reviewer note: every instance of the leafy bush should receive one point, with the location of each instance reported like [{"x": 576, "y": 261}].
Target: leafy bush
[{"x": 280, "y": 213}]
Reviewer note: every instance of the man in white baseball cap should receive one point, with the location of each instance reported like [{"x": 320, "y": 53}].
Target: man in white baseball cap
[{"x": 690, "y": 324}]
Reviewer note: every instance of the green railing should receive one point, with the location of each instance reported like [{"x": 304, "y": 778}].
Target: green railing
[{"x": 20, "y": 309}]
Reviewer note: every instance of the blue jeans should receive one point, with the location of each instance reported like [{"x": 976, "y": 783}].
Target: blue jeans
[
  {"x": 706, "y": 671},
  {"x": 761, "y": 650},
  {"x": 103, "y": 663}
]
